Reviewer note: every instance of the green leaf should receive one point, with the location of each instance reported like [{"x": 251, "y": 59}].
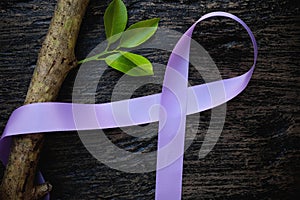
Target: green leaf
[
  {"x": 130, "y": 63},
  {"x": 139, "y": 33},
  {"x": 115, "y": 20}
]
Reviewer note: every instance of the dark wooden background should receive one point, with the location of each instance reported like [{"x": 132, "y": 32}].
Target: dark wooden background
[{"x": 258, "y": 153}]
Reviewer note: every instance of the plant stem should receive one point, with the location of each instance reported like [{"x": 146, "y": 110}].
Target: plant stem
[{"x": 98, "y": 56}]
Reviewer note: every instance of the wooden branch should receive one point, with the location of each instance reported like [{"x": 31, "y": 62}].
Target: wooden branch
[{"x": 55, "y": 60}]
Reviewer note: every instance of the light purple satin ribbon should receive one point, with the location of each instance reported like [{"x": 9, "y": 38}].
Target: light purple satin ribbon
[{"x": 176, "y": 99}]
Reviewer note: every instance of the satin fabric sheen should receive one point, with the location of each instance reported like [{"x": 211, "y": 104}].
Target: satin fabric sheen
[{"x": 177, "y": 99}]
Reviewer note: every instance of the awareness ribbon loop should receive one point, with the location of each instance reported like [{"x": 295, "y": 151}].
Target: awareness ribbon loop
[{"x": 176, "y": 100}]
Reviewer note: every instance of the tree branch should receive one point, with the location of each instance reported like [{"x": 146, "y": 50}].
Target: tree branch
[{"x": 55, "y": 60}]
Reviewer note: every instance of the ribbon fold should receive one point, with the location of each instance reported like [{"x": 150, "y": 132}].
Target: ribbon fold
[{"x": 176, "y": 100}]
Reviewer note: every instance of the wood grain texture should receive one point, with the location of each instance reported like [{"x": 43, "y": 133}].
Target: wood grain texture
[
  {"x": 56, "y": 58},
  {"x": 258, "y": 153}
]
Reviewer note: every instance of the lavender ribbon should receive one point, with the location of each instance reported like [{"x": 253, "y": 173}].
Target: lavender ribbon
[{"x": 176, "y": 100}]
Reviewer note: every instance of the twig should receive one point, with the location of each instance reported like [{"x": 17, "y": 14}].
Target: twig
[{"x": 55, "y": 60}]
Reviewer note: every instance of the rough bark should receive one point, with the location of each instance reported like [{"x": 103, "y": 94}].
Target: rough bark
[{"x": 55, "y": 60}]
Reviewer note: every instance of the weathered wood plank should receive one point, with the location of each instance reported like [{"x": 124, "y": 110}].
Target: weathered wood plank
[{"x": 258, "y": 153}]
